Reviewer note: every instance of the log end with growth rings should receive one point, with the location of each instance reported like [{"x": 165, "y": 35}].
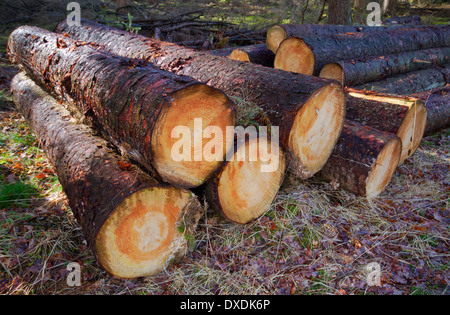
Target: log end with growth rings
[
  {"x": 147, "y": 231},
  {"x": 246, "y": 187},
  {"x": 317, "y": 127},
  {"x": 333, "y": 71},
  {"x": 384, "y": 168},
  {"x": 412, "y": 127},
  {"x": 210, "y": 107},
  {"x": 239, "y": 55},
  {"x": 295, "y": 55},
  {"x": 275, "y": 35}
]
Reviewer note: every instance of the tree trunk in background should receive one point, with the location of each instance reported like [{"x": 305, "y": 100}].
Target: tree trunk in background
[
  {"x": 339, "y": 12},
  {"x": 106, "y": 193}
]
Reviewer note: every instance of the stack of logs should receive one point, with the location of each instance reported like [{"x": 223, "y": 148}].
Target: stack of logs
[{"x": 110, "y": 107}]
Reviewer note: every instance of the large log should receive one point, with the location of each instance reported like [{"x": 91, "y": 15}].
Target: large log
[
  {"x": 411, "y": 82},
  {"x": 248, "y": 181},
  {"x": 308, "y": 55},
  {"x": 257, "y": 54},
  {"x": 134, "y": 225},
  {"x": 309, "y": 111},
  {"x": 364, "y": 160},
  {"x": 137, "y": 105},
  {"x": 277, "y": 33},
  {"x": 360, "y": 71},
  {"x": 437, "y": 103},
  {"x": 403, "y": 116}
]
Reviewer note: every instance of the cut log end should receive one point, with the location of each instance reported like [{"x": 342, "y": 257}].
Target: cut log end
[
  {"x": 317, "y": 128},
  {"x": 295, "y": 55},
  {"x": 239, "y": 55},
  {"x": 275, "y": 35},
  {"x": 384, "y": 168},
  {"x": 190, "y": 112},
  {"x": 145, "y": 232},
  {"x": 247, "y": 187},
  {"x": 412, "y": 128},
  {"x": 333, "y": 71}
]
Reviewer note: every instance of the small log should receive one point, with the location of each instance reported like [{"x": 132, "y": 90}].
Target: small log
[
  {"x": 248, "y": 182},
  {"x": 357, "y": 72},
  {"x": 134, "y": 225},
  {"x": 309, "y": 111},
  {"x": 403, "y": 116},
  {"x": 364, "y": 160},
  {"x": 257, "y": 54},
  {"x": 411, "y": 82},
  {"x": 308, "y": 55},
  {"x": 136, "y": 104},
  {"x": 437, "y": 103}
]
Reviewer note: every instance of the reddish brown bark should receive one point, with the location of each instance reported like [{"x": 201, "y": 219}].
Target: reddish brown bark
[
  {"x": 130, "y": 99},
  {"x": 96, "y": 180},
  {"x": 281, "y": 96}
]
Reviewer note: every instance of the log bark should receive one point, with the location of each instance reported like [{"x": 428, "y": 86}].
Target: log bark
[
  {"x": 112, "y": 200},
  {"x": 356, "y": 72},
  {"x": 309, "y": 111},
  {"x": 257, "y": 54},
  {"x": 400, "y": 115},
  {"x": 412, "y": 82},
  {"x": 277, "y": 33},
  {"x": 308, "y": 55},
  {"x": 437, "y": 103},
  {"x": 364, "y": 160},
  {"x": 137, "y": 105},
  {"x": 248, "y": 182}
]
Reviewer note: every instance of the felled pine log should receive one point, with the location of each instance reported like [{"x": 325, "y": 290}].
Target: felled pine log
[
  {"x": 136, "y": 104},
  {"x": 248, "y": 182},
  {"x": 411, "y": 82},
  {"x": 310, "y": 111},
  {"x": 133, "y": 224},
  {"x": 437, "y": 103},
  {"x": 257, "y": 54},
  {"x": 277, "y": 33},
  {"x": 360, "y": 71},
  {"x": 308, "y": 55},
  {"x": 403, "y": 116},
  {"x": 364, "y": 160}
]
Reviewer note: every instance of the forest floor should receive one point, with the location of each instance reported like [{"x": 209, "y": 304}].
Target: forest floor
[{"x": 313, "y": 240}]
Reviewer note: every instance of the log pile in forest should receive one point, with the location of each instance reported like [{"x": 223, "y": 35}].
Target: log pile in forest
[{"x": 158, "y": 104}]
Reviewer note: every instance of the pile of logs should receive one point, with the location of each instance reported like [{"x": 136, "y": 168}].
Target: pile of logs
[{"x": 109, "y": 107}]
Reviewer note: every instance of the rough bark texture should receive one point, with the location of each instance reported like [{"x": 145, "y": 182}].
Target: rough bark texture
[
  {"x": 349, "y": 46},
  {"x": 279, "y": 94},
  {"x": 339, "y": 12},
  {"x": 437, "y": 103},
  {"x": 257, "y": 54},
  {"x": 281, "y": 32},
  {"x": 400, "y": 115},
  {"x": 95, "y": 179},
  {"x": 357, "y": 154},
  {"x": 126, "y": 96},
  {"x": 356, "y": 72},
  {"x": 412, "y": 82}
]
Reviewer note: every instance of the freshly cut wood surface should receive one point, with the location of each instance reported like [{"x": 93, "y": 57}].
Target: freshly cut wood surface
[
  {"x": 364, "y": 160},
  {"x": 137, "y": 105},
  {"x": 404, "y": 116},
  {"x": 246, "y": 185},
  {"x": 309, "y": 111},
  {"x": 134, "y": 224}
]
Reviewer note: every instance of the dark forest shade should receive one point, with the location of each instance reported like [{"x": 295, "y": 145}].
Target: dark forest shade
[{"x": 134, "y": 224}]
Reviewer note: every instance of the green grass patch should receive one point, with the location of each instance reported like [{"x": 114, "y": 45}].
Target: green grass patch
[{"x": 17, "y": 194}]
